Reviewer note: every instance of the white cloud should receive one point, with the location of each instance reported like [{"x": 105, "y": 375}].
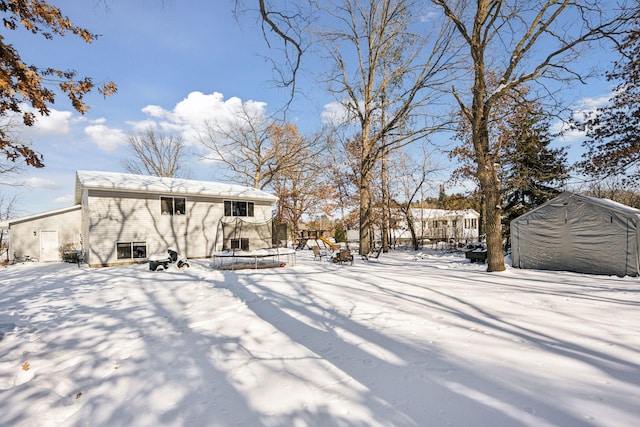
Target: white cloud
[
  {"x": 589, "y": 103},
  {"x": 198, "y": 107},
  {"x": 428, "y": 16},
  {"x": 190, "y": 114},
  {"x": 334, "y": 113},
  {"x": 143, "y": 125},
  {"x": 187, "y": 117},
  {"x": 568, "y": 135},
  {"x": 154, "y": 111},
  {"x": 105, "y": 138},
  {"x": 56, "y": 123},
  {"x": 586, "y": 106},
  {"x": 41, "y": 184}
]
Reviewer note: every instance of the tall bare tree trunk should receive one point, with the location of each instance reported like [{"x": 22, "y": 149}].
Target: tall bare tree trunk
[
  {"x": 385, "y": 202},
  {"x": 365, "y": 213},
  {"x": 386, "y": 212},
  {"x": 487, "y": 172},
  {"x": 366, "y": 166},
  {"x": 491, "y": 190}
]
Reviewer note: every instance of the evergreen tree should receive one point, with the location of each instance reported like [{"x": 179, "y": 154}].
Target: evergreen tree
[
  {"x": 532, "y": 171},
  {"x": 613, "y": 132}
]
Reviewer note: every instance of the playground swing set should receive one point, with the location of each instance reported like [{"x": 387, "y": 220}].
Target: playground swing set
[{"x": 323, "y": 247}]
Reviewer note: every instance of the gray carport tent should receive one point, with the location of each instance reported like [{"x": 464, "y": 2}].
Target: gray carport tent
[{"x": 578, "y": 233}]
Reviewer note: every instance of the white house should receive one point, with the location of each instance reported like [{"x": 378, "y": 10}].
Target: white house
[
  {"x": 40, "y": 235},
  {"x": 440, "y": 225},
  {"x": 122, "y": 218}
]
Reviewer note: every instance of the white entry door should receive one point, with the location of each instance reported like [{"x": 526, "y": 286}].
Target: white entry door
[{"x": 49, "y": 246}]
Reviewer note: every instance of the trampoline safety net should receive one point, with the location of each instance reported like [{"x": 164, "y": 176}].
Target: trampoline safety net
[{"x": 238, "y": 234}]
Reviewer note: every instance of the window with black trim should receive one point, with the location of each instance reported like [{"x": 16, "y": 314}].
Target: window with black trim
[
  {"x": 173, "y": 205},
  {"x": 131, "y": 250},
  {"x": 238, "y": 208},
  {"x": 242, "y": 244}
]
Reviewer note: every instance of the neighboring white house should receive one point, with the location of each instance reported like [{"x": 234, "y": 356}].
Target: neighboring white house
[
  {"x": 439, "y": 225},
  {"x": 122, "y": 218}
]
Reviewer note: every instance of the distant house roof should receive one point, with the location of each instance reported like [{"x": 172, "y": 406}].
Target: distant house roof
[
  {"x": 441, "y": 213},
  {"x": 144, "y": 183}
]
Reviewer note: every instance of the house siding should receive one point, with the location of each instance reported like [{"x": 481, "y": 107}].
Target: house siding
[
  {"x": 203, "y": 215},
  {"x": 443, "y": 225},
  {"x": 26, "y": 234},
  {"x": 128, "y": 209},
  {"x": 114, "y": 217}
]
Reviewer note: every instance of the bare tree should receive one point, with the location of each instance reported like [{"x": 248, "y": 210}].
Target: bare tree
[
  {"x": 613, "y": 131},
  {"x": 302, "y": 192},
  {"x": 341, "y": 170},
  {"x": 614, "y": 188},
  {"x": 412, "y": 176},
  {"x": 289, "y": 24},
  {"x": 7, "y": 211},
  {"x": 519, "y": 41},
  {"x": 12, "y": 165},
  {"x": 9, "y": 171},
  {"x": 157, "y": 154},
  {"x": 243, "y": 146},
  {"x": 255, "y": 149},
  {"x": 386, "y": 90}
]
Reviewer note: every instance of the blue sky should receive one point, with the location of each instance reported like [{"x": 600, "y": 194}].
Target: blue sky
[{"x": 174, "y": 65}]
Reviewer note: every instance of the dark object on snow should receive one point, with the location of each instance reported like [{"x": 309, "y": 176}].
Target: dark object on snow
[
  {"x": 158, "y": 260},
  {"x": 476, "y": 252},
  {"x": 343, "y": 255}
]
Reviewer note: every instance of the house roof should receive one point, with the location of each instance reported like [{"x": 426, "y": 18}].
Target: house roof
[
  {"x": 144, "y": 183},
  {"x": 442, "y": 213},
  {"x": 4, "y": 225}
]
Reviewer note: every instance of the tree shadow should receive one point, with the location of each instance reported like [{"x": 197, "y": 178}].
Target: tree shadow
[
  {"x": 404, "y": 381},
  {"x": 320, "y": 345}
]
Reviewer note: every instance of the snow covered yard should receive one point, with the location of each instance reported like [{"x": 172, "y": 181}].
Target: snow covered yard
[{"x": 406, "y": 340}]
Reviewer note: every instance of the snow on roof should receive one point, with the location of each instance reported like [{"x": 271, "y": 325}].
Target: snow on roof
[
  {"x": 611, "y": 204},
  {"x": 564, "y": 197},
  {"x": 4, "y": 225},
  {"x": 145, "y": 183},
  {"x": 440, "y": 213}
]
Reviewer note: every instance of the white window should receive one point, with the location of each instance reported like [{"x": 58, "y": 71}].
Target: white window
[
  {"x": 471, "y": 223},
  {"x": 173, "y": 205},
  {"x": 238, "y": 208},
  {"x": 131, "y": 250},
  {"x": 242, "y": 244}
]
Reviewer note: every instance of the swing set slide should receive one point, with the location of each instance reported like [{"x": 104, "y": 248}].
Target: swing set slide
[{"x": 329, "y": 243}]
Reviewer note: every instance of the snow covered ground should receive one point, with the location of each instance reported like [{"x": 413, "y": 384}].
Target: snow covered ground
[{"x": 406, "y": 340}]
